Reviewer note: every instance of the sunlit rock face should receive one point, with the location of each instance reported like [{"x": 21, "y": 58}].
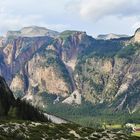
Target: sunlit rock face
[
  {"x": 1, "y": 41},
  {"x": 17, "y": 85},
  {"x": 137, "y": 35}
]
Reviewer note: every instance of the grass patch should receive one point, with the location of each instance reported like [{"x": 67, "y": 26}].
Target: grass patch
[{"x": 136, "y": 134}]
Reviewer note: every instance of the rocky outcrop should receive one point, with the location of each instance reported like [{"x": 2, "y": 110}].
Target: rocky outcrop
[
  {"x": 74, "y": 98},
  {"x": 1, "y": 41},
  {"x": 17, "y": 85}
]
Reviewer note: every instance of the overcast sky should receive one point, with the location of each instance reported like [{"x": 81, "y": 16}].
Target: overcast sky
[{"x": 93, "y": 16}]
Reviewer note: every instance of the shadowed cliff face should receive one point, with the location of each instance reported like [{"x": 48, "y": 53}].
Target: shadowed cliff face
[
  {"x": 6, "y": 98},
  {"x": 104, "y": 71}
]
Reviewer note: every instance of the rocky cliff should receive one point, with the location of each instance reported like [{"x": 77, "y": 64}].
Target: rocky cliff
[{"x": 102, "y": 71}]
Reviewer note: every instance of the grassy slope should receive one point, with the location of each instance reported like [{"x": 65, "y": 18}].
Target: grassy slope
[{"x": 24, "y": 130}]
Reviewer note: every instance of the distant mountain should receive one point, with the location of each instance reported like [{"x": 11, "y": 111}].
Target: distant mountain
[
  {"x": 33, "y": 31},
  {"x": 110, "y": 36}
]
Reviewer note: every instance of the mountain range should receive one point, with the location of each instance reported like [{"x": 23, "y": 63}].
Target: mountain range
[{"x": 35, "y": 60}]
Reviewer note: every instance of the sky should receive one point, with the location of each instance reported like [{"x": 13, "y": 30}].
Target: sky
[{"x": 93, "y": 16}]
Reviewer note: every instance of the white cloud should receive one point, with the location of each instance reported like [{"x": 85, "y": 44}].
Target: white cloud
[
  {"x": 8, "y": 22},
  {"x": 97, "y": 9},
  {"x": 15, "y": 14},
  {"x": 86, "y": 15}
]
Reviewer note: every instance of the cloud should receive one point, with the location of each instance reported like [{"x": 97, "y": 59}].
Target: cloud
[
  {"x": 16, "y": 14},
  {"x": 86, "y": 15},
  {"x": 94, "y": 10},
  {"x": 8, "y": 22}
]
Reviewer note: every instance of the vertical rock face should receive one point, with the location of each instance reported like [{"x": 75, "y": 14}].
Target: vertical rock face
[
  {"x": 17, "y": 52},
  {"x": 17, "y": 85},
  {"x": 46, "y": 74},
  {"x": 74, "y": 98}
]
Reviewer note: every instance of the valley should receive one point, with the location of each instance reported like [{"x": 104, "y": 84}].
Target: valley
[{"x": 20, "y": 120}]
